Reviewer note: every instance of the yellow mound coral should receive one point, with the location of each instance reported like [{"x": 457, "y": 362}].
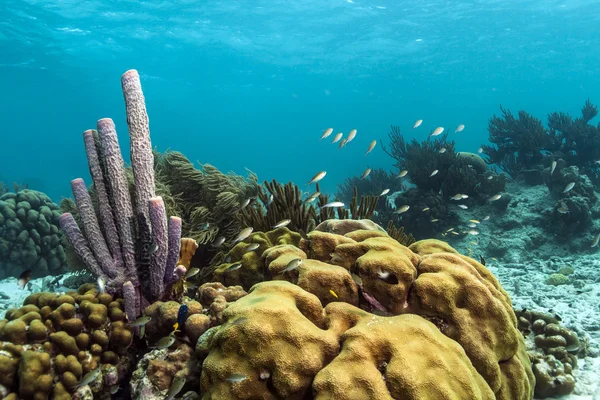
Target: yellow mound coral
[{"x": 456, "y": 335}]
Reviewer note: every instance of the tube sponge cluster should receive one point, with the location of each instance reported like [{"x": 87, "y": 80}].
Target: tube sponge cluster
[
  {"x": 130, "y": 243},
  {"x": 29, "y": 235}
]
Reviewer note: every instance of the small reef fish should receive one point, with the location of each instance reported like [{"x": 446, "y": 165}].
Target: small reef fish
[
  {"x": 495, "y": 197},
  {"x": 435, "y": 220},
  {"x": 337, "y": 137},
  {"x": 449, "y": 230},
  {"x": 204, "y": 226},
  {"x": 569, "y": 187},
  {"x": 357, "y": 279},
  {"x": 482, "y": 260},
  {"x": 455, "y": 233},
  {"x": 402, "y": 209},
  {"x": 463, "y": 206},
  {"x": 282, "y": 223},
  {"x": 553, "y": 167},
  {"x": 234, "y": 267},
  {"x": 327, "y": 132},
  {"x": 457, "y": 196},
  {"x": 563, "y": 209},
  {"x": 333, "y": 204},
  {"x": 234, "y": 378},
  {"x": 191, "y": 272},
  {"x": 334, "y": 294},
  {"x": 434, "y": 173},
  {"x": 459, "y": 128},
  {"x": 383, "y": 275},
  {"x": 101, "y": 284},
  {"x": 480, "y": 150},
  {"x": 317, "y": 177},
  {"x": 474, "y": 221},
  {"x": 489, "y": 178},
  {"x": 418, "y": 123},
  {"x": 343, "y": 143},
  {"x": 218, "y": 241},
  {"x": 437, "y": 131},
  {"x": 472, "y": 225},
  {"x": 487, "y": 217},
  {"x": 176, "y": 385},
  {"x": 251, "y": 247},
  {"x": 295, "y": 263},
  {"x": 366, "y": 173},
  {"x": 269, "y": 201},
  {"x": 243, "y": 234},
  {"x": 141, "y": 321},
  {"x": 245, "y": 203},
  {"x": 595, "y": 240},
  {"x": 425, "y": 209},
  {"x": 371, "y": 147},
  {"x": 90, "y": 377},
  {"x": 165, "y": 342},
  {"x": 152, "y": 249},
  {"x": 473, "y": 232},
  {"x": 312, "y": 197},
  {"x": 182, "y": 316},
  {"x": 385, "y": 191},
  {"x": 351, "y": 136},
  {"x": 402, "y": 173},
  {"x": 442, "y": 150}
]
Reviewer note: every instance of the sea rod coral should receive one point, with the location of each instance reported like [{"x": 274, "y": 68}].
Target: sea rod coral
[{"x": 130, "y": 244}]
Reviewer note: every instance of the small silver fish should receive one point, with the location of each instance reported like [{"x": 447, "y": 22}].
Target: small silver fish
[
  {"x": 165, "y": 342},
  {"x": 337, "y": 137},
  {"x": 402, "y": 173},
  {"x": 343, "y": 143},
  {"x": 366, "y": 173},
  {"x": 333, "y": 204},
  {"x": 442, "y": 150},
  {"x": 459, "y": 128},
  {"x": 234, "y": 267},
  {"x": 351, "y": 136},
  {"x": 89, "y": 377},
  {"x": 282, "y": 223},
  {"x": 434, "y": 173},
  {"x": 371, "y": 147},
  {"x": 244, "y": 233},
  {"x": 495, "y": 197},
  {"x": 295, "y": 263},
  {"x": 317, "y": 177},
  {"x": 385, "y": 191},
  {"x": 176, "y": 385},
  {"x": 457, "y": 196},
  {"x": 595, "y": 240},
  {"x": 553, "y": 167},
  {"x": 234, "y": 378},
  {"x": 569, "y": 187},
  {"x": 425, "y": 209},
  {"x": 472, "y": 225},
  {"x": 437, "y": 131},
  {"x": 101, "y": 284},
  {"x": 327, "y": 132},
  {"x": 269, "y": 201},
  {"x": 463, "y": 206},
  {"x": 402, "y": 209},
  {"x": 191, "y": 272},
  {"x": 489, "y": 178},
  {"x": 473, "y": 232},
  {"x": 563, "y": 209},
  {"x": 486, "y": 217},
  {"x": 312, "y": 197},
  {"x": 251, "y": 247},
  {"x": 141, "y": 321},
  {"x": 218, "y": 241},
  {"x": 418, "y": 123},
  {"x": 152, "y": 249},
  {"x": 245, "y": 203},
  {"x": 480, "y": 150}
]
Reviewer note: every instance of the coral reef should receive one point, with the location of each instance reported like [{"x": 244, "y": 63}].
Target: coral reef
[
  {"x": 30, "y": 238},
  {"x": 130, "y": 244},
  {"x": 378, "y": 180},
  {"x": 460, "y": 322},
  {"x": 53, "y": 340}
]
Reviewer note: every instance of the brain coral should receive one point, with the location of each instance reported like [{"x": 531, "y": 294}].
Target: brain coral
[
  {"x": 450, "y": 332},
  {"x": 29, "y": 234}
]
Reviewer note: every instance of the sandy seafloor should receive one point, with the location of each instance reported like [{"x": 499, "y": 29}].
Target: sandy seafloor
[{"x": 522, "y": 255}]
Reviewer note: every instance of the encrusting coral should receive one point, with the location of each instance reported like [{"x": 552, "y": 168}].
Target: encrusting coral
[
  {"x": 130, "y": 244},
  {"x": 461, "y": 337},
  {"x": 30, "y": 238},
  {"x": 53, "y": 340}
]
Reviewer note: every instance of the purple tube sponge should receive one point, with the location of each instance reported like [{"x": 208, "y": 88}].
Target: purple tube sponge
[
  {"x": 80, "y": 244},
  {"x": 130, "y": 301},
  {"x": 107, "y": 219},
  {"x": 174, "y": 248},
  {"x": 120, "y": 192},
  {"x": 92, "y": 228},
  {"x": 142, "y": 159},
  {"x": 160, "y": 239}
]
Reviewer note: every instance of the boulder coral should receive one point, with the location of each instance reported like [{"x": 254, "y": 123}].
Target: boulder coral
[
  {"x": 54, "y": 339},
  {"x": 29, "y": 235},
  {"x": 450, "y": 331}
]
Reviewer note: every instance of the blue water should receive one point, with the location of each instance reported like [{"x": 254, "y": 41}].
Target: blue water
[{"x": 253, "y": 84}]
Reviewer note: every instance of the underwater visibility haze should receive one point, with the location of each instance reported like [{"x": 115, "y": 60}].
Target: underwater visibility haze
[{"x": 346, "y": 199}]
